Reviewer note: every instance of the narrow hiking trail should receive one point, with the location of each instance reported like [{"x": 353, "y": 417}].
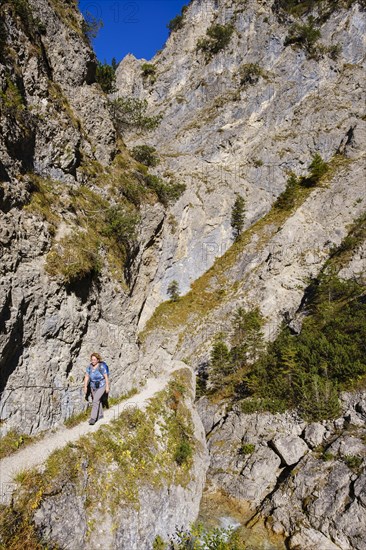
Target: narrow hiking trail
[{"x": 36, "y": 453}]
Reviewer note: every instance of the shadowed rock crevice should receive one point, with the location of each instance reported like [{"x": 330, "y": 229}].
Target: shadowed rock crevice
[
  {"x": 14, "y": 347},
  {"x": 133, "y": 266}
]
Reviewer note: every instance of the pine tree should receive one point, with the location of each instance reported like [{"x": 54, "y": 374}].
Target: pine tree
[
  {"x": 105, "y": 76},
  {"x": 173, "y": 291},
  {"x": 247, "y": 338},
  {"x": 238, "y": 215},
  {"x": 114, "y": 64},
  {"x": 220, "y": 362}
]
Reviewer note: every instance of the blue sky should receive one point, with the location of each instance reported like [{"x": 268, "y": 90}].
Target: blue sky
[{"x": 136, "y": 26}]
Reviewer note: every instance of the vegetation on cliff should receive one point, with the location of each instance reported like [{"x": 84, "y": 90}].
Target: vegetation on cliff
[
  {"x": 306, "y": 370},
  {"x": 217, "y": 39}
]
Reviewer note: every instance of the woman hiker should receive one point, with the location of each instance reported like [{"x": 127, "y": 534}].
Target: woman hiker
[{"x": 99, "y": 383}]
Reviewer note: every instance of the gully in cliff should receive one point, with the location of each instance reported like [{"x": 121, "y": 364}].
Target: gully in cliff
[{"x": 97, "y": 373}]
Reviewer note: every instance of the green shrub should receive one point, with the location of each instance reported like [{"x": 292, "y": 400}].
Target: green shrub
[
  {"x": 355, "y": 237},
  {"x": 246, "y": 344},
  {"x": 3, "y": 37},
  {"x": 238, "y": 216},
  {"x": 121, "y": 224},
  {"x": 133, "y": 191},
  {"x": 307, "y": 371},
  {"x": 173, "y": 291},
  {"x": 75, "y": 258},
  {"x": 159, "y": 544},
  {"x": 131, "y": 112},
  {"x": 30, "y": 25},
  {"x": 304, "y": 36},
  {"x": 246, "y": 449},
  {"x": 44, "y": 195},
  {"x": 287, "y": 199},
  {"x": 220, "y": 362},
  {"x": 249, "y": 73},
  {"x": 246, "y": 337},
  {"x": 146, "y": 155},
  {"x": 298, "y": 8},
  {"x": 319, "y": 397},
  {"x": 354, "y": 462},
  {"x": 218, "y": 37},
  {"x": 91, "y": 26},
  {"x": 110, "y": 228},
  {"x": 11, "y": 98},
  {"x": 332, "y": 51},
  {"x": 105, "y": 76},
  {"x": 166, "y": 192},
  {"x": 317, "y": 169},
  {"x": 252, "y": 405},
  {"x": 177, "y": 22},
  {"x": 183, "y": 452},
  {"x": 199, "y": 538},
  {"x": 24, "y": 13},
  {"x": 148, "y": 70}
]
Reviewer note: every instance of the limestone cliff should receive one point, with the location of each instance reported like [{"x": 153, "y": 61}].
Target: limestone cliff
[
  {"x": 61, "y": 171},
  {"x": 89, "y": 247},
  {"x": 225, "y": 131},
  {"x": 239, "y": 121}
]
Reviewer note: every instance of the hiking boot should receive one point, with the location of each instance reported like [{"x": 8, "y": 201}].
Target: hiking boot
[{"x": 91, "y": 421}]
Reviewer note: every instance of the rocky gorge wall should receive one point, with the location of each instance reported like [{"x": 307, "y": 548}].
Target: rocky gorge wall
[
  {"x": 56, "y": 128},
  {"x": 223, "y": 137},
  {"x": 222, "y": 133},
  {"x": 307, "y": 478}
]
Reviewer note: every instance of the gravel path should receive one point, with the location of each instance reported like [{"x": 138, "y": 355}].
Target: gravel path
[{"x": 35, "y": 454}]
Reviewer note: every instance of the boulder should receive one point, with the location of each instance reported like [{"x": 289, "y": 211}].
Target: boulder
[
  {"x": 314, "y": 434},
  {"x": 290, "y": 448},
  {"x": 310, "y": 539}
]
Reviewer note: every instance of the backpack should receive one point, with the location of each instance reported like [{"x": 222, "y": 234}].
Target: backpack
[{"x": 105, "y": 366}]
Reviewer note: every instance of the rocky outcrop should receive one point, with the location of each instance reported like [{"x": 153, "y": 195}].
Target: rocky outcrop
[{"x": 307, "y": 479}]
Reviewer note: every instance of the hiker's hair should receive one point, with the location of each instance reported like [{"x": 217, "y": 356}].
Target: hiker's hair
[{"x": 97, "y": 356}]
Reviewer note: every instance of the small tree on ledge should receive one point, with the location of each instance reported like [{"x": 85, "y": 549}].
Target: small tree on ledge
[
  {"x": 173, "y": 291},
  {"x": 237, "y": 216}
]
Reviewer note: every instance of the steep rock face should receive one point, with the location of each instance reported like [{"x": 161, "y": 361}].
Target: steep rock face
[
  {"x": 223, "y": 134},
  {"x": 55, "y": 127}
]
